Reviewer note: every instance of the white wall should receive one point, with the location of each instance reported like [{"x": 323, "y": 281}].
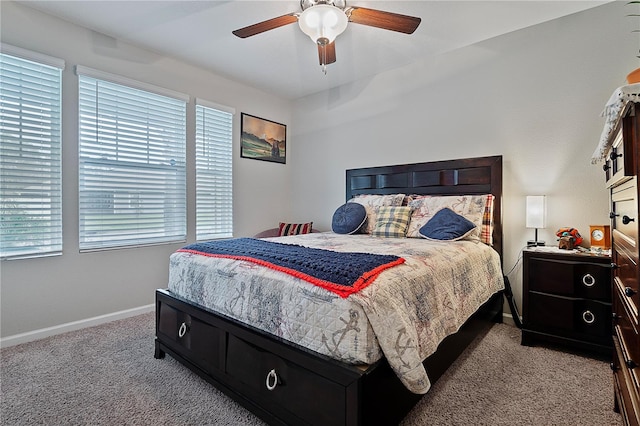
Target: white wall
[
  {"x": 40, "y": 293},
  {"x": 533, "y": 96}
]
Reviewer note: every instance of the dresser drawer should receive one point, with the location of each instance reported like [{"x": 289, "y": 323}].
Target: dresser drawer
[
  {"x": 582, "y": 319},
  {"x": 195, "y": 340},
  {"x": 585, "y": 279},
  {"x": 625, "y": 277},
  {"x": 620, "y": 162},
  {"x": 281, "y": 383},
  {"x": 626, "y": 326},
  {"x": 624, "y": 212},
  {"x": 624, "y": 387}
]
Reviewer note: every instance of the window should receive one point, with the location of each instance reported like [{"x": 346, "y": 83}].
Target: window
[
  {"x": 214, "y": 189},
  {"x": 132, "y": 162},
  {"x": 30, "y": 154}
]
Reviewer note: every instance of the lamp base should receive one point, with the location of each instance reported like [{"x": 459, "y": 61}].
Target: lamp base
[{"x": 536, "y": 243}]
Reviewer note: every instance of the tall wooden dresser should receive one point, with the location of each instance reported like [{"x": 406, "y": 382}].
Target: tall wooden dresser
[{"x": 621, "y": 168}]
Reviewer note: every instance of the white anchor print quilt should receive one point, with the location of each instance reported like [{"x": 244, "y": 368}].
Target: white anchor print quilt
[{"x": 403, "y": 315}]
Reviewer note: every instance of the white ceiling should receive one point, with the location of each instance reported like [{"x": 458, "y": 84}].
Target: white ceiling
[{"x": 284, "y": 61}]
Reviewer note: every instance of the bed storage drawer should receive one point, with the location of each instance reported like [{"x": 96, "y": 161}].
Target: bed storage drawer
[
  {"x": 195, "y": 340},
  {"x": 306, "y": 390},
  {"x": 279, "y": 382}
]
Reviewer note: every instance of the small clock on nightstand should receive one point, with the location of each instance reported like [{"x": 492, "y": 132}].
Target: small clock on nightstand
[{"x": 600, "y": 236}]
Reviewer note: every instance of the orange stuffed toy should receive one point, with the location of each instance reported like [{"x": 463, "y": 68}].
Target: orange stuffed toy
[{"x": 570, "y": 232}]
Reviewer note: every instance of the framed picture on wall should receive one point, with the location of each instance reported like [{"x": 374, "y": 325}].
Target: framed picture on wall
[{"x": 263, "y": 139}]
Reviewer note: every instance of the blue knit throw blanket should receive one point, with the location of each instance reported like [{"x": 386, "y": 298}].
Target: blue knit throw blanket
[{"x": 342, "y": 273}]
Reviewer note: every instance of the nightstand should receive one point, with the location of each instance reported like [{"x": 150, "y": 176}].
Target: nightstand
[{"x": 567, "y": 299}]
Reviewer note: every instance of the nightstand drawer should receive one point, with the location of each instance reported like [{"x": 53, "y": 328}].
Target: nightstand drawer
[
  {"x": 570, "y": 278},
  {"x": 582, "y": 319}
]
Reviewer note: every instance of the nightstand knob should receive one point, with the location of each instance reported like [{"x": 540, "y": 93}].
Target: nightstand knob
[
  {"x": 606, "y": 167},
  {"x": 613, "y": 155},
  {"x": 588, "y": 317},
  {"x": 626, "y": 219},
  {"x": 615, "y": 317},
  {"x": 613, "y": 215},
  {"x": 613, "y": 367},
  {"x": 631, "y": 363},
  {"x": 588, "y": 280},
  {"x": 614, "y": 266},
  {"x": 629, "y": 291}
]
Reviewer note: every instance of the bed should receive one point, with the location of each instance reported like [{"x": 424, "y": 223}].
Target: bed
[{"x": 345, "y": 368}]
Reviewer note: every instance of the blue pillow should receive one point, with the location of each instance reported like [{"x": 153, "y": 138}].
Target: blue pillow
[
  {"x": 447, "y": 225},
  {"x": 348, "y": 218}
]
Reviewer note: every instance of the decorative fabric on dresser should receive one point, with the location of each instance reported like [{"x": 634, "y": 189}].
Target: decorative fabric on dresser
[
  {"x": 404, "y": 315},
  {"x": 613, "y": 113}
]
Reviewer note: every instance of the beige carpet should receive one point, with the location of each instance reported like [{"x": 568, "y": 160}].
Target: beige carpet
[{"x": 107, "y": 375}]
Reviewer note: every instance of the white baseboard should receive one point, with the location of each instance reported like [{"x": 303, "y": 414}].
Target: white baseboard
[
  {"x": 508, "y": 319},
  {"x": 72, "y": 326}
]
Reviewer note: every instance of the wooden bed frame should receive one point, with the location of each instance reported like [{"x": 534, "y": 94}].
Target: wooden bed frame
[{"x": 312, "y": 388}]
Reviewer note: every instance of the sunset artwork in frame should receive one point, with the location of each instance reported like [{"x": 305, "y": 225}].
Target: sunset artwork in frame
[{"x": 263, "y": 139}]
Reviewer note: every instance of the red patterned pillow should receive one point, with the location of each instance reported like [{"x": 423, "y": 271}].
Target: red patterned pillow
[{"x": 286, "y": 229}]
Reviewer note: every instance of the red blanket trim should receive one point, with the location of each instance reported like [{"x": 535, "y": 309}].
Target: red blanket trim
[{"x": 341, "y": 290}]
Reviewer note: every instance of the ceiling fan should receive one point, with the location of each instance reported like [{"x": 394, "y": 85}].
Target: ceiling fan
[{"x": 324, "y": 20}]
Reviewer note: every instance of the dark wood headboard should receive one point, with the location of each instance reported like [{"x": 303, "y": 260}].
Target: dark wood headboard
[{"x": 481, "y": 175}]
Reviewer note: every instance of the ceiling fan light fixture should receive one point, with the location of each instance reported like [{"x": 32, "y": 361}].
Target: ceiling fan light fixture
[{"x": 323, "y": 23}]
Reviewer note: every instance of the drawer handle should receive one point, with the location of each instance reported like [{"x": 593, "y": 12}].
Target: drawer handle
[
  {"x": 631, "y": 363},
  {"x": 588, "y": 280},
  {"x": 588, "y": 317},
  {"x": 613, "y": 215},
  {"x": 615, "y": 317},
  {"x": 629, "y": 292},
  {"x": 182, "y": 330},
  {"x": 272, "y": 380},
  {"x": 627, "y": 220},
  {"x": 614, "y": 155},
  {"x": 613, "y": 367},
  {"x": 606, "y": 167}
]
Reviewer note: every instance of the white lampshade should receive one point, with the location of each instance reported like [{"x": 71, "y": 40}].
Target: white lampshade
[
  {"x": 323, "y": 23},
  {"x": 536, "y": 211}
]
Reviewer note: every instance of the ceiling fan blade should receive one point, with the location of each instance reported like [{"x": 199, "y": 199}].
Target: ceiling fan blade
[
  {"x": 267, "y": 25},
  {"x": 386, "y": 20},
  {"x": 327, "y": 53}
]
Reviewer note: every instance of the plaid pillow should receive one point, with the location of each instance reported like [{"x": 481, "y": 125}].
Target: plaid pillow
[
  {"x": 486, "y": 230},
  {"x": 372, "y": 203},
  {"x": 286, "y": 229},
  {"x": 392, "y": 222}
]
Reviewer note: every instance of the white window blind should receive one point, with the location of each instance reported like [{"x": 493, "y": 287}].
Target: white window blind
[
  {"x": 132, "y": 165},
  {"x": 214, "y": 182},
  {"x": 30, "y": 154}
]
